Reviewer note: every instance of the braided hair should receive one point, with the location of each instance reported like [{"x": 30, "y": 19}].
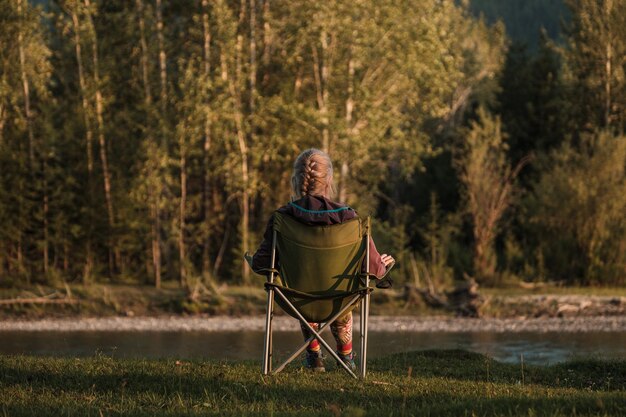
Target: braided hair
[{"x": 312, "y": 174}]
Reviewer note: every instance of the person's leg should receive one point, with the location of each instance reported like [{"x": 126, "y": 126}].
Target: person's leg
[
  {"x": 314, "y": 346},
  {"x": 313, "y": 351},
  {"x": 342, "y": 331}
]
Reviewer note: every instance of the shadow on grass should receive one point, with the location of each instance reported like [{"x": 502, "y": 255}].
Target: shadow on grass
[
  {"x": 463, "y": 365},
  {"x": 438, "y": 386},
  {"x": 332, "y": 403}
]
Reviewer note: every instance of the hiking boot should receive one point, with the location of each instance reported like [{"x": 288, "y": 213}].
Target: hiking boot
[
  {"x": 348, "y": 360},
  {"x": 314, "y": 361}
]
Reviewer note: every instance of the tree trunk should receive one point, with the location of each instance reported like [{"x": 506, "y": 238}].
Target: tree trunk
[
  {"x": 31, "y": 139},
  {"x": 206, "y": 189},
  {"x": 144, "y": 54},
  {"x": 220, "y": 253},
  {"x": 162, "y": 57},
  {"x": 156, "y": 244},
  {"x": 267, "y": 41},
  {"x": 236, "y": 93},
  {"x": 483, "y": 265},
  {"x": 343, "y": 189},
  {"x": 66, "y": 261},
  {"x": 245, "y": 209},
  {"x": 253, "y": 69},
  {"x": 25, "y": 89},
  {"x": 154, "y": 195},
  {"x": 3, "y": 119},
  {"x": 183, "y": 202},
  {"x": 113, "y": 250},
  {"x": 20, "y": 252},
  {"x": 46, "y": 237},
  {"x": 321, "y": 72},
  {"x": 88, "y": 267},
  {"x": 608, "y": 75},
  {"x": 163, "y": 102},
  {"x": 83, "y": 92}
]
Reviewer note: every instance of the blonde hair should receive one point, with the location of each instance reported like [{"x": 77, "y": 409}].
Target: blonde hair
[{"x": 312, "y": 174}]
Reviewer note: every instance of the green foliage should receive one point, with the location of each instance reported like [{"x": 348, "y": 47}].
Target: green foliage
[
  {"x": 27, "y": 144},
  {"x": 156, "y": 138},
  {"x": 183, "y": 132},
  {"x": 534, "y": 102},
  {"x": 487, "y": 178},
  {"x": 438, "y": 235},
  {"x": 596, "y": 60},
  {"x": 578, "y": 207}
]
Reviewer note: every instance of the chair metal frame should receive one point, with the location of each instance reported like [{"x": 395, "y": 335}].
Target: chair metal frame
[{"x": 362, "y": 295}]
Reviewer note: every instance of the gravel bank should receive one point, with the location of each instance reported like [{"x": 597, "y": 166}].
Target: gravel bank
[{"x": 282, "y": 323}]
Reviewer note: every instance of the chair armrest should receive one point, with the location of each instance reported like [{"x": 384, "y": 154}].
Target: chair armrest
[
  {"x": 248, "y": 259},
  {"x": 389, "y": 268},
  {"x": 262, "y": 271},
  {"x": 383, "y": 282},
  {"x": 267, "y": 272},
  {"x": 386, "y": 281}
]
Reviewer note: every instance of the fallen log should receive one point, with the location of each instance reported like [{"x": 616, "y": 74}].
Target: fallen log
[
  {"x": 464, "y": 299},
  {"x": 39, "y": 300}
]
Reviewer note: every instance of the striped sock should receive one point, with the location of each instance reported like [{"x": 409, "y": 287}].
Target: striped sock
[
  {"x": 345, "y": 349},
  {"x": 314, "y": 346}
]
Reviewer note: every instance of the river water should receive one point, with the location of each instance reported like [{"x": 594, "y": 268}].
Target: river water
[{"x": 537, "y": 348}]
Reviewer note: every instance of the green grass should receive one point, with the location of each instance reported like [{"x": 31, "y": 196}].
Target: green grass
[{"x": 431, "y": 383}]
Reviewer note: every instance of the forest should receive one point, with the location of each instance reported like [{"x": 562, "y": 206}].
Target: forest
[{"x": 149, "y": 141}]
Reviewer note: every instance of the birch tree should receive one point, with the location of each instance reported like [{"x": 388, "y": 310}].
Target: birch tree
[
  {"x": 152, "y": 170},
  {"x": 231, "y": 57},
  {"x": 98, "y": 100},
  {"x": 24, "y": 202},
  {"x": 206, "y": 148},
  {"x": 75, "y": 10},
  {"x": 596, "y": 56}
]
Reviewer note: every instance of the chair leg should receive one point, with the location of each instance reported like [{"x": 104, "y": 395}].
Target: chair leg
[
  {"x": 316, "y": 334},
  {"x": 267, "y": 345},
  {"x": 365, "y": 312},
  {"x": 362, "y": 339},
  {"x": 271, "y": 347},
  {"x": 322, "y": 327}
]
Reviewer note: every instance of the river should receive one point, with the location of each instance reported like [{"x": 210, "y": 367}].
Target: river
[{"x": 535, "y": 347}]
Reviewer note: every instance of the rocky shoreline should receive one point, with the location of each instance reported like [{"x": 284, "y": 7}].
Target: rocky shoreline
[
  {"x": 283, "y": 323},
  {"x": 552, "y": 305}
]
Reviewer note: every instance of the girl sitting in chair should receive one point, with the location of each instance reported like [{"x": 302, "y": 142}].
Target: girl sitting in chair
[{"x": 312, "y": 187}]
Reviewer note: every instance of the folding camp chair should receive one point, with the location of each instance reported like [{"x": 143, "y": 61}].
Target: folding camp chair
[{"x": 319, "y": 280}]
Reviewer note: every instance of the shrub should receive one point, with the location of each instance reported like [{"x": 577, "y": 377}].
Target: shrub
[{"x": 578, "y": 208}]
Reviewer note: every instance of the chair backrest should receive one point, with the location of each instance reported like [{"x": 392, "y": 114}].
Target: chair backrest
[{"x": 320, "y": 260}]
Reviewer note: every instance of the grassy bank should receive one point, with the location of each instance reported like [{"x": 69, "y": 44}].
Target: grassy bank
[
  {"x": 97, "y": 300},
  {"x": 433, "y": 383},
  {"x": 102, "y": 300}
]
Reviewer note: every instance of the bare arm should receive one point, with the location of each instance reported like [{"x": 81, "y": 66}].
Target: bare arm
[{"x": 378, "y": 263}]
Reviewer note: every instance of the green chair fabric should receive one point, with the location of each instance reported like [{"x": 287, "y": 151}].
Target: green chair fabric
[{"x": 320, "y": 266}]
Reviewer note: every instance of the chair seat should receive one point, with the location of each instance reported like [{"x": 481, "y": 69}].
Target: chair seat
[{"x": 316, "y": 308}]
